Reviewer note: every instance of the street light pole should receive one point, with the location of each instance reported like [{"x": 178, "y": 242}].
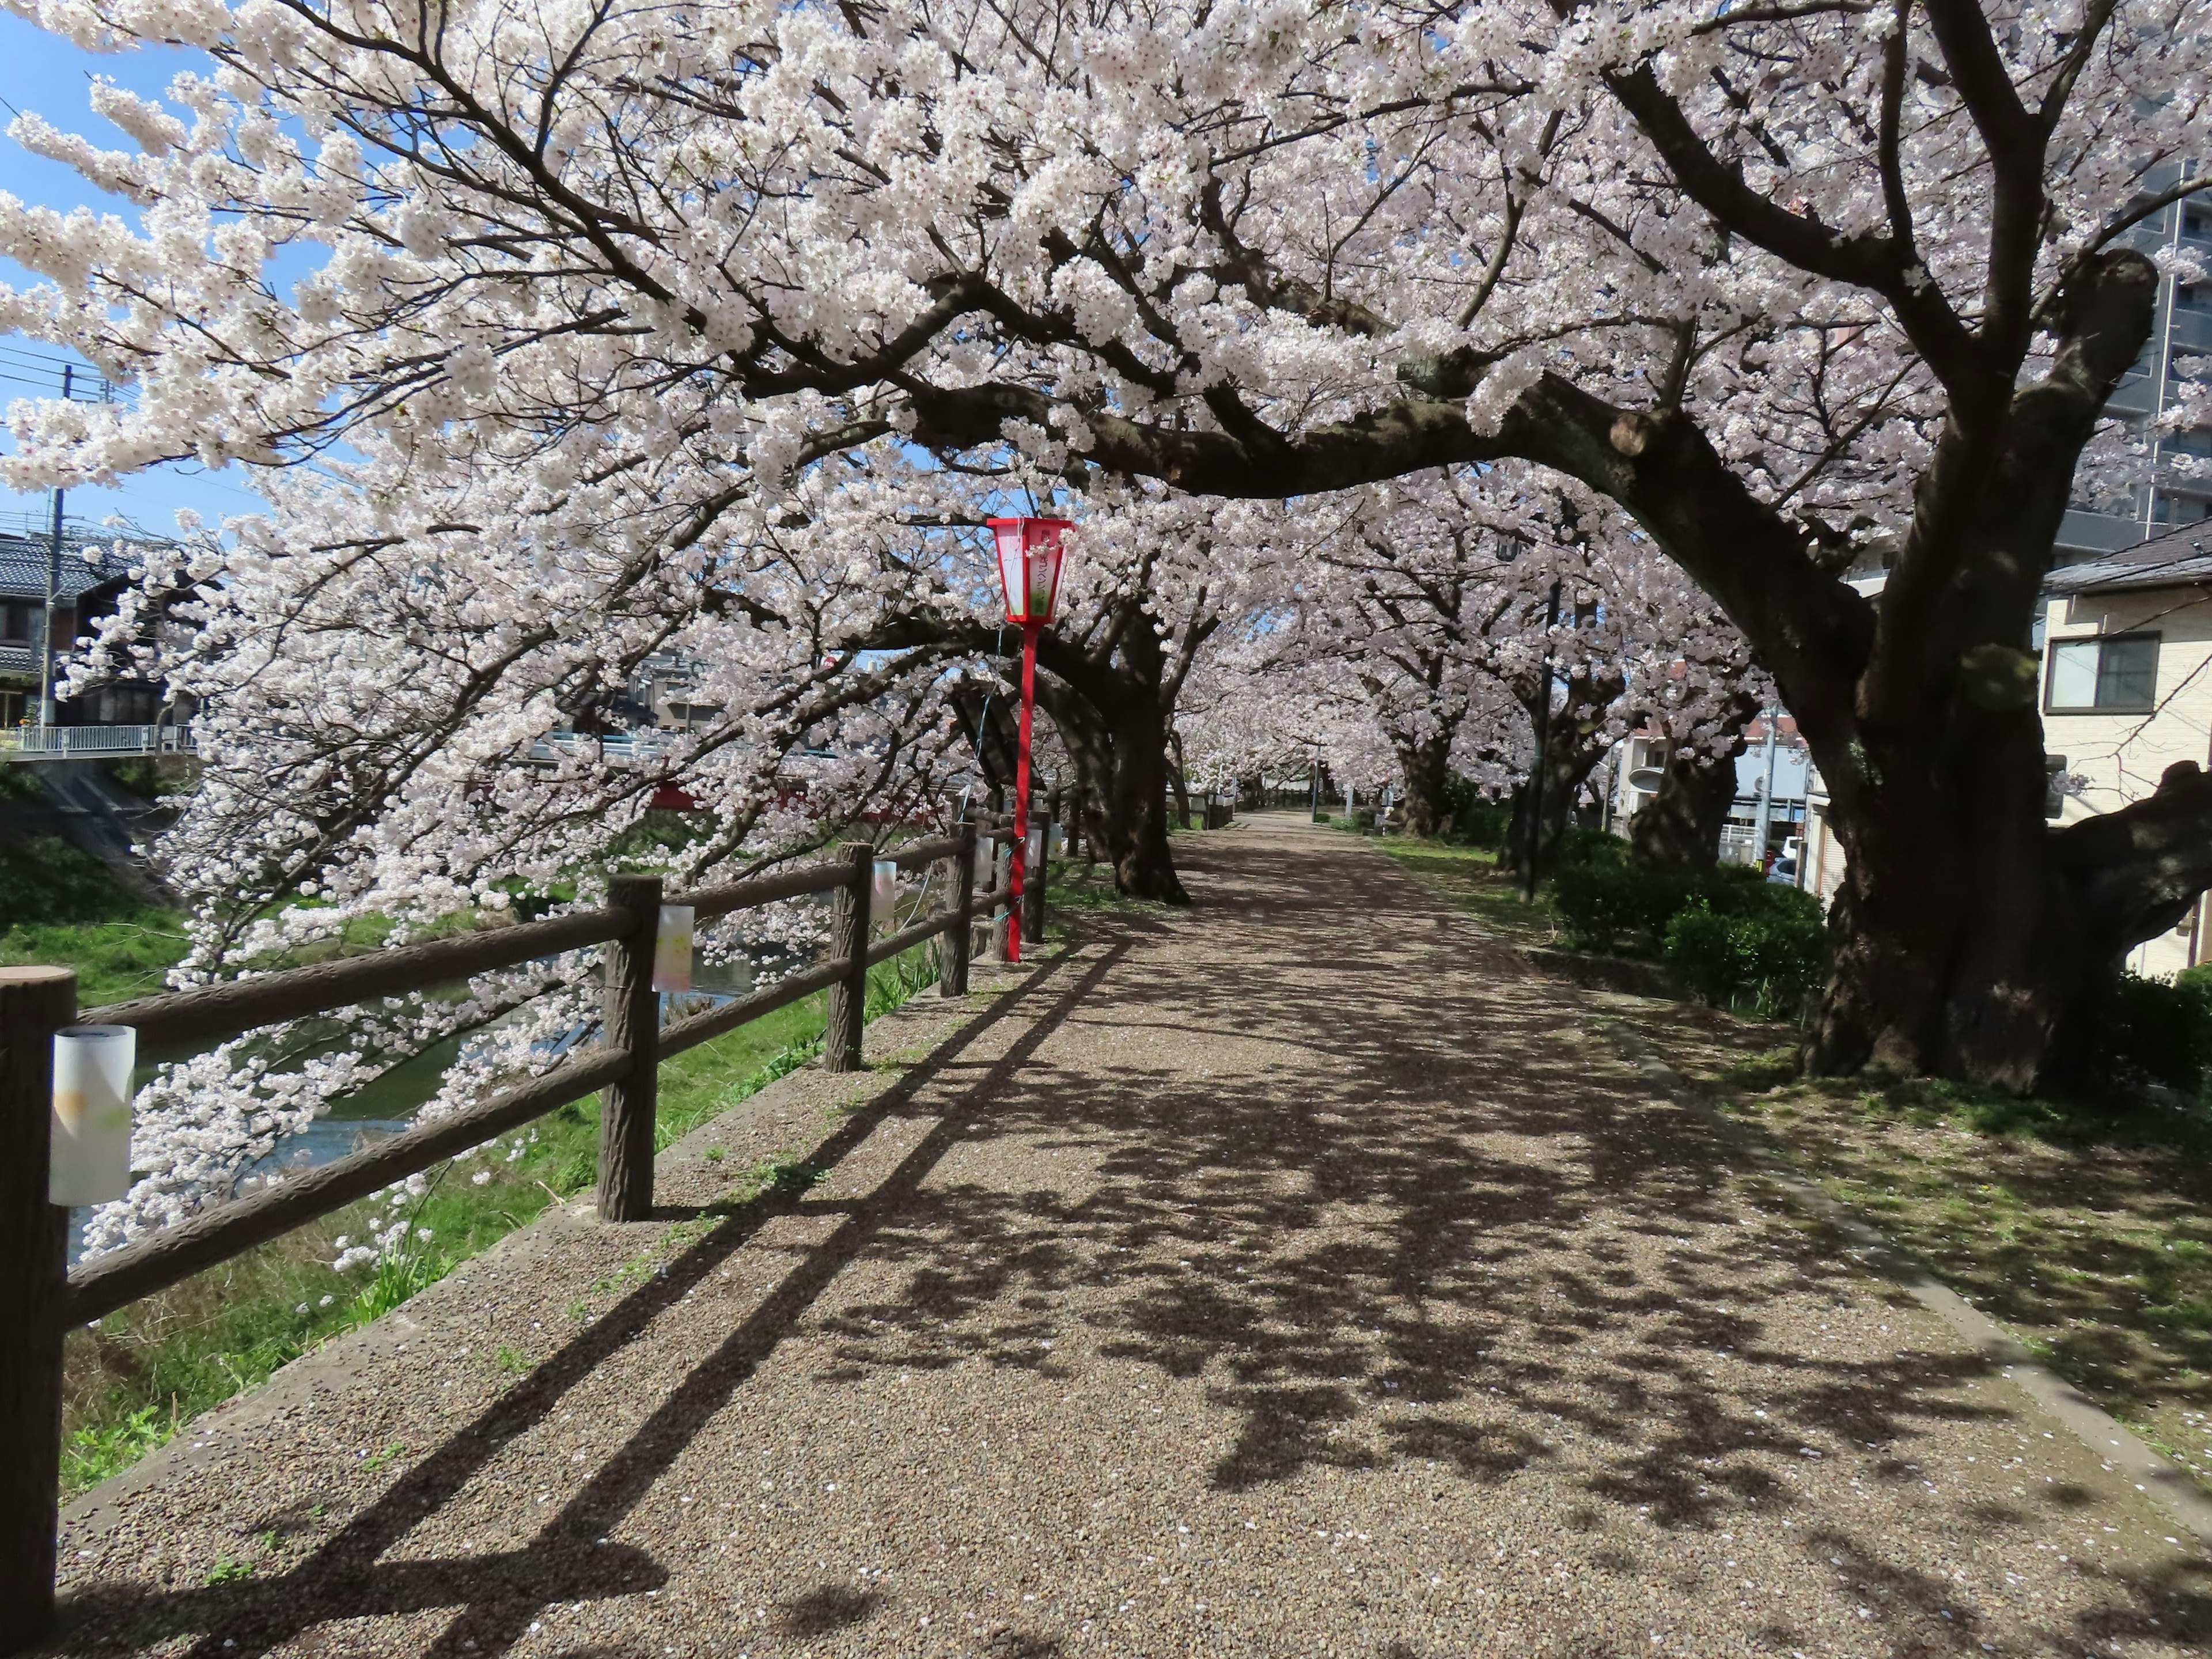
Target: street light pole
[
  {"x": 1028, "y": 570},
  {"x": 1765, "y": 819},
  {"x": 1022, "y": 792}
]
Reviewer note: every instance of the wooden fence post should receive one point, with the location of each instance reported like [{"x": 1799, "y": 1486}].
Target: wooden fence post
[
  {"x": 1033, "y": 889},
  {"x": 995, "y": 917},
  {"x": 952, "y": 944},
  {"x": 631, "y": 1021},
  {"x": 34, "y": 1004},
  {"x": 848, "y": 937}
]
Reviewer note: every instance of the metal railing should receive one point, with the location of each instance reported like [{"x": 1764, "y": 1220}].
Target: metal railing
[
  {"x": 92, "y": 742},
  {"x": 42, "y": 1297}
]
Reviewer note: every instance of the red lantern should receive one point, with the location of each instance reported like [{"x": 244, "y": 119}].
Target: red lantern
[
  {"x": 1028, "y": 571},
  {"x": 1029, "y": 566}
]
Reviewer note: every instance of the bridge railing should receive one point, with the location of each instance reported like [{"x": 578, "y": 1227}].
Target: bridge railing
[
  {"x": 42, "y": 1299},
  {"x": 92, "y": 742}
]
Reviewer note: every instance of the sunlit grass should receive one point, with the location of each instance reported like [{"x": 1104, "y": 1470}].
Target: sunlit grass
[
  {"x": 1473, "y": 878},
  {"x": 2088, "y": 1232},
  {"x": 115, "y": 960}
]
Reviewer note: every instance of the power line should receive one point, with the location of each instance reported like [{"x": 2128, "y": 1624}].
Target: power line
[{"x": 62, "y": 376}]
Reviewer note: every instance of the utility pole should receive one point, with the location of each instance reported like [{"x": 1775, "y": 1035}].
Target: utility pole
[
  {"x": 1543, "y": 722},
  {"x": 1765, "y": 819},
  {"x": 53, "y": 588}
]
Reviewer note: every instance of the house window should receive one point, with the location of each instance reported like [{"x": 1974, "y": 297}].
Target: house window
[{"x": 2117, "y": 674}]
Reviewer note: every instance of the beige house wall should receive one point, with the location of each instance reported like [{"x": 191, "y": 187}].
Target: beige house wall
[{"x": 2120, "y": 757}]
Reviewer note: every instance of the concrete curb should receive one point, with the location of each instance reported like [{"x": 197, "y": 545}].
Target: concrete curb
[{"x": 2152, "y": 1474}]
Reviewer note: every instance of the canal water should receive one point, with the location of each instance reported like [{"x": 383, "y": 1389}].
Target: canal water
[{"x": 386, "y": 1105}]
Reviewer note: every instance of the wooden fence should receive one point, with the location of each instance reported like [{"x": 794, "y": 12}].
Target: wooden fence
[{"x": 42, "y": 1299}]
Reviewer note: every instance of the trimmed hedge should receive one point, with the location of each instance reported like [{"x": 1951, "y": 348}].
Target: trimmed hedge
[{"x": 1727, "y": 933}]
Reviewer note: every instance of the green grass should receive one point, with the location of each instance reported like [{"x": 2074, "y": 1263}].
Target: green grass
[
  {"x": 64, "y": 910},
  {"x": 1470, "y": 878},
  {"x": 1072, "y": 887},
  {"x": 115, "y": 960},
  {"x": 134, "y": 1380},
  {"x": 2087, "y": 1232}
]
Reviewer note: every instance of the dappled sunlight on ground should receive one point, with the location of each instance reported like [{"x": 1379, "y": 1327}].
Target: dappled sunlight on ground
[{"x": 1294, "y": 1273}]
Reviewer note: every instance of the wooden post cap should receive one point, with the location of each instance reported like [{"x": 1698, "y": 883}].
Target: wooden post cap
[{"x": 34, "y": 975}]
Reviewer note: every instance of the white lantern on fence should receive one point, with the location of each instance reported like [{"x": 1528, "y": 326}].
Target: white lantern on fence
[
  {"x": 883, "y": 893},
  {"x": 672, "y": 949},
  {"x": 90, "y": 1162},
  {"x": 986, "y": 859},
  {"x": 1035, "y": 851}
]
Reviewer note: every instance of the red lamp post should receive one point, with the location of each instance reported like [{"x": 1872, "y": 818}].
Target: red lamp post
[{"x": 1028, "y": 570}]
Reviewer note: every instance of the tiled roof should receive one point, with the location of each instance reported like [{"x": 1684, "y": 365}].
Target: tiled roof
[
  {"x": 24, "y": 562},
  {"x": 2181, "y": 558}
]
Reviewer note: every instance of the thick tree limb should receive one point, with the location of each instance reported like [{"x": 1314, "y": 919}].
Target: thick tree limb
[{"x": 2134, "y": 872}]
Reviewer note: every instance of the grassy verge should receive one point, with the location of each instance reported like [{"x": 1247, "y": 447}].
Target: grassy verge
[
  {"x": 115, "y": 960},
  {"x": 1077, "y": 887},
  {"x": 135, "y": 1379},
  {"x": 2085, "y": 1230},
  {"x": 59, "y": 906},
  {"x": 1469, "y": 876}
]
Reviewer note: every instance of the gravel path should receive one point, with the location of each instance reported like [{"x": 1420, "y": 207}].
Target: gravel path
[{"x": 1289, "y": 1277}]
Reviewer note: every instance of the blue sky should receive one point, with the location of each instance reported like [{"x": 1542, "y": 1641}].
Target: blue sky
[{"x": 44, "y": 74}]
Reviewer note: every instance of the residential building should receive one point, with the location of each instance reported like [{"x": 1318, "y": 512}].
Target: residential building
[
  {"x": 86, "y": 579},
  {"x": 2127, "y": 691}
]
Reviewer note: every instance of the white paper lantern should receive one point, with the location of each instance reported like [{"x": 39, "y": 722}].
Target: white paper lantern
[
  {"x": 1034, "y": 856},
  {"x": 883, "y": 894},
  {"x": 672, "y": 948},
  {"x": 91, "y": 1155}
]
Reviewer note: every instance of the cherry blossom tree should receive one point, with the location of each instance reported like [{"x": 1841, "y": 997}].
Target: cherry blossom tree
[
  {"x": 1444, "y": 598},
  {"x": 1781, "y": 282}
]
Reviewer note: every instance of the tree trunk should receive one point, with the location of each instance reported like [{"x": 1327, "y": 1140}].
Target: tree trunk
[
  {"x": 1572, "y": 750},
  {"x": 1428, "y": 776},
  {"x": 1955, "y": 939},
  {"x": 1137, "y": 815},
  {"x": 1679, "y": 828},
  {"x": 1179, "y": 781},
  {"x": 1965, "y": 926},
  {"x": 1118, "y": 737}
]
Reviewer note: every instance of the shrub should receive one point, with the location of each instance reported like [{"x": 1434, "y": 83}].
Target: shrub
[
  {"x": 1604, "y": 905},
  {"x": 1775, "y": 954},
  {"x": 1473, "y": 817},
  {"x": 2127, "y": 1031},
  {"x": 45, "y": 880},
  {"x": 1729, "y": 935},
  {"x": 1580, "y": 846},
  {"x": 1699, "y": 948}
]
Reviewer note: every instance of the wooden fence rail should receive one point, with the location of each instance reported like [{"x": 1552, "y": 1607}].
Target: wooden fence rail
[{"x": 41, "y": 1299}]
